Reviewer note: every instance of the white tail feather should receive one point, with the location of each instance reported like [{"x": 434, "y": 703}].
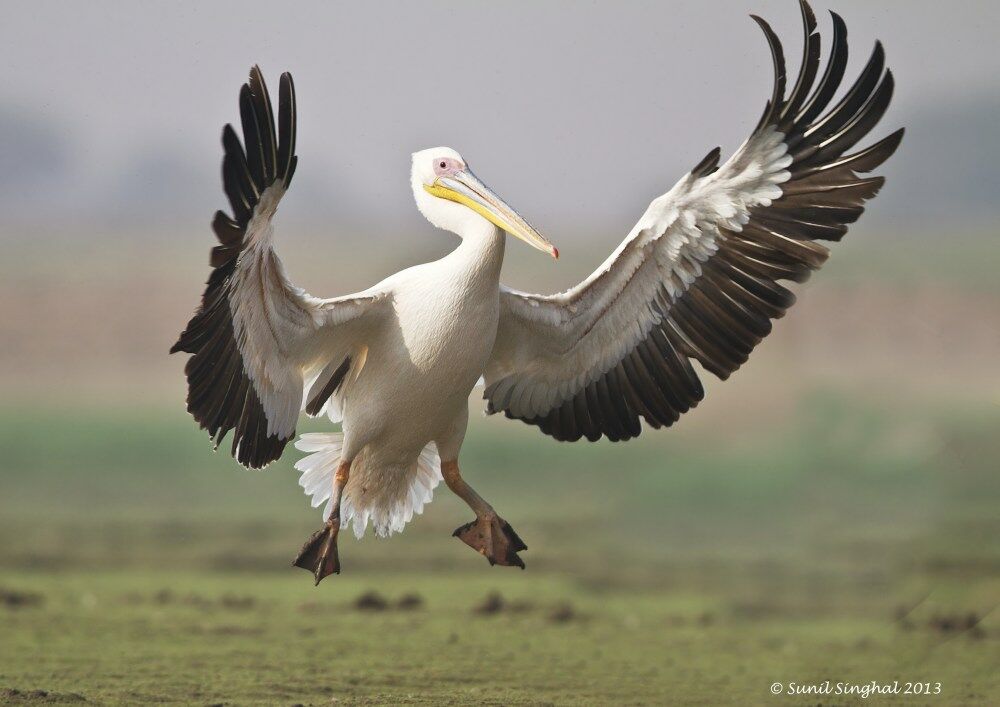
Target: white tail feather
[{"x": 389, "y": 498}]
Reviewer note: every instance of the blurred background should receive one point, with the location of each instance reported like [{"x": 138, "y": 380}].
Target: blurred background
[{"x": 830, "y": 513}]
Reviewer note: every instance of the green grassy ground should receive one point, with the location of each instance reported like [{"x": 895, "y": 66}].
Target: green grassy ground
[
  {"x": 267, "y": 638},
  {"x": 855, "y": 542}
]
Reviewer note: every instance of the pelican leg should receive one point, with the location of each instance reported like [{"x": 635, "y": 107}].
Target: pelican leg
[
  {"x": 319, "y": 554},
  {"x": 489, "y": 534}
]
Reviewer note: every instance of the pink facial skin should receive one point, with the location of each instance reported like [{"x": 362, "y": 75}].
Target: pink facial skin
[{"x": 447, "y": 166}]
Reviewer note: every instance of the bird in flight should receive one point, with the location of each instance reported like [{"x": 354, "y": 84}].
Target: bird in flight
[{"x": 696, "y": 279}]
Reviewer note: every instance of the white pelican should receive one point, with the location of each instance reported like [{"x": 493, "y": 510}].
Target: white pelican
[{"x": 696, "y": 279}]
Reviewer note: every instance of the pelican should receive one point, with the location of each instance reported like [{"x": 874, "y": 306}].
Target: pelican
[{"x": 695, "y": 280}]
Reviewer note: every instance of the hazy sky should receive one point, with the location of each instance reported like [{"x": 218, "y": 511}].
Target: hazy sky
[{"x": 576, "y": 112}]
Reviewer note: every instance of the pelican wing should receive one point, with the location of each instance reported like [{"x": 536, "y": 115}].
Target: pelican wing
[
  {"x": 256, "y": 338},
  {"x": 698, "y": 276}
]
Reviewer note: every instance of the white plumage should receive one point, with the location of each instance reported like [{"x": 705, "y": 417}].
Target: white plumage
[
  {"x": 399, "y": 497},
  {"x": 695, "y": 279}
]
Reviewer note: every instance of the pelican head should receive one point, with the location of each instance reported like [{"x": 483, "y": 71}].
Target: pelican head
[{"x": 451, "y": 197}]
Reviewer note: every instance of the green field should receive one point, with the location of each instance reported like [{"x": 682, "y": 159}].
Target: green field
[{"x": 858, "y": 540}]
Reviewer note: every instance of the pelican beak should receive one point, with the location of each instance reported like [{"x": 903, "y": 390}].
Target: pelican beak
[{"x": 466, "y": 189}]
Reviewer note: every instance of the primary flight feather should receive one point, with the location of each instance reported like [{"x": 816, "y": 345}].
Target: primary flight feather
[{"x": 696, "y": 279}]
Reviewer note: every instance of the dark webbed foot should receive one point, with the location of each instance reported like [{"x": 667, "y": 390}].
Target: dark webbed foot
[
  {"x": 319, "y": 554},
  {"x": 492, "y": 537}
]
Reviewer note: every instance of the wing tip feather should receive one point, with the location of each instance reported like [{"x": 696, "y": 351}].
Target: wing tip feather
[{"x": 708, "y": 164}]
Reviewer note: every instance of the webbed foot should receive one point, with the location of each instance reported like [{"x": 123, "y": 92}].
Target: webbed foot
[
  {"x": 319, "y": 554},
  {"x": 492, "y": 537}
]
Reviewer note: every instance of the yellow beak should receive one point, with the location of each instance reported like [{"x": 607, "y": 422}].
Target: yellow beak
[{"x": 464, "y": 188}]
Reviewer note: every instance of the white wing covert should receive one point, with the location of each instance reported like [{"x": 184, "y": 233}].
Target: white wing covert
[
  {"x": 256, "y": 338},
  {"x": 697, "y": 277}
]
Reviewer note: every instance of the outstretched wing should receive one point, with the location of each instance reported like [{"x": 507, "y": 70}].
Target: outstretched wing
[
  {"x": 697, "y": 278},
  {"x": 256, "y": 337}
]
